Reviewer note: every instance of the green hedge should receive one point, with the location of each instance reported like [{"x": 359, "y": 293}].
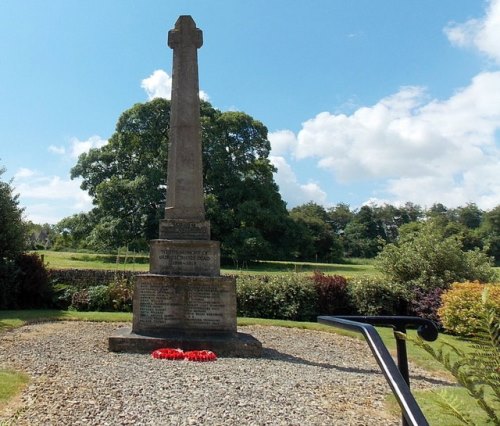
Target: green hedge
[
  {"x": 287, "y": 296},
  {"x": 376, "y": 296}
]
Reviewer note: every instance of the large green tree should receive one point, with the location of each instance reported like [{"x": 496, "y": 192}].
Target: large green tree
[
  {"x": 127, "y": 176},
  {"x": 13, "y": 231},
  {"x": 363, "y": 234},
  {"x": 320, "y": 242},
  {"x": 490, "y": 232}
]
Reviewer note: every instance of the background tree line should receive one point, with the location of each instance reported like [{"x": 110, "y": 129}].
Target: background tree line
[{"x": 126, "y": 179}]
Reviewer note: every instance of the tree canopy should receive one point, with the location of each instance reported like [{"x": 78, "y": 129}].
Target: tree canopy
[
  {"x": 12, "y": 228},
  {"x": 127, "y": 176}
]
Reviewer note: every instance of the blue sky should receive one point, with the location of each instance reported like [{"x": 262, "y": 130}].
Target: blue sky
[{"x": 365, "y": 101}]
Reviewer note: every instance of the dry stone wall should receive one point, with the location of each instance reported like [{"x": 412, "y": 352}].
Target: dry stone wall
[{"x": 83, "y": 278}]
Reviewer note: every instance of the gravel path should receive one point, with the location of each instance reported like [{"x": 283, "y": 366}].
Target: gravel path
[{"x": 303, "y": 378}]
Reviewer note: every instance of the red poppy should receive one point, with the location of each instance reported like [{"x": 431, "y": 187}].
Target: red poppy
[
  {"x": 200, "y": 356},
  {"x": 168, "y": 353},
  {"x": 176, "y": 354}
]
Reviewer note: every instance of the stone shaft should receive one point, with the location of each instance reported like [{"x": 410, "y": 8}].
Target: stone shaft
[{"x": 185, "y": 169}]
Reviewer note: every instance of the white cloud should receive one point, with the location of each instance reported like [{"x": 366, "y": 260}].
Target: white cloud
[
  {"x": 282, "y": 142},
  {"x": 425, "y": 150},
  {"x": 159, "y": 85},
  {"x": 49, "y": 198},
  {"x": 23, "y": 173},
  {"x": 291, "y": 190},
  {"x": 78, "y": 147},
  {"x": 59, "y": 150},
  {"x": 482, "y": 34},
  {"x": 409, "y": 146},
  {"x": 204, "y": 95}
]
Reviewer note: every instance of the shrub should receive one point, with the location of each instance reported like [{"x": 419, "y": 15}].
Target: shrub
[
  {"x": 376, "y": 296},
  {"x": 286, "y": 296},
  {"x": 478, "y": 370},
  {"x": 333, "y": 297},
  {"x": 121, "y": 293},
  {"x": 80, "y": 300},
  {"x": 33, "y": 282},
  {"x": 425, "y": 304},
  {"x": 99, "y": 298},
  {"x": 95, "y": 298},
  {"x": 462, "y": 306},
  {"x": 62, "y": 295},
  {"x": 24, "y": 283},
  {"x": 428, "y": 259},
  {"x": 8, "y": 284}
]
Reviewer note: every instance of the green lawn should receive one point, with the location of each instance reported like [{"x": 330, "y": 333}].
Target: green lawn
[
  {"x": 71, "y": 260},
  {"x": 139, "y": 262},
  {"x": 11, "y": 383}
]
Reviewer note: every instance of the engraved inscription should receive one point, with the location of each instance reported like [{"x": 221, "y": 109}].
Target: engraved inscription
[
  {"x": 159, "y": 305},
  {"x": 185, "y": 230},
  {"x": 205, "y": 305},
  {"x": 184, "y": 257},
  {"x": 184, "y": 303}
]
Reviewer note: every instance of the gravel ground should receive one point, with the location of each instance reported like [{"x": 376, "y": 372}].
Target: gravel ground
[{"x": 303, "y": 378}]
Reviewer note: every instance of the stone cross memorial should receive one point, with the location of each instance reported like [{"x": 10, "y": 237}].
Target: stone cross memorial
[{"x": 184, "y": 302}]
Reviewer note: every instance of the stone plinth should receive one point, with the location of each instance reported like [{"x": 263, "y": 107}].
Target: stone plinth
[
  {"x": 184, "y": 305},
  {"x": 188, "y": 312},
  {"x": 182, "y": 257},
  {"x": 240, "y": 345}
]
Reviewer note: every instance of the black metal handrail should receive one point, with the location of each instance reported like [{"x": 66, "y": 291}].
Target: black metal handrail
[{"x": 412, "y": 414}]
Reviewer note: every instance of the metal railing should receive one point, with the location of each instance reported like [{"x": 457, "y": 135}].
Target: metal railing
[{"x": 397, "y": 378}]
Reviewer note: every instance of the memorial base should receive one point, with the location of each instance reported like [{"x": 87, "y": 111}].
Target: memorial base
[
  {"x": 237, "y": 345},
  {"x": 194, "y": 305}
]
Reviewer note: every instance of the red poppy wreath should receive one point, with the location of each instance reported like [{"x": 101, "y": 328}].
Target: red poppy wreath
[{"x": 177, "y": 354}]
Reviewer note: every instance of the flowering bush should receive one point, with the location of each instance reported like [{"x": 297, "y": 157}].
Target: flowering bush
[
  {"x": 462, "y": 306},
  {"x": 425, "y": 304},
  {"x": 120, "y": 293},
  {"x": 333, "y": 297}
]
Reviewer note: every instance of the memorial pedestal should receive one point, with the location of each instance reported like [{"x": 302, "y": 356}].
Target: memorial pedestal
[
  {"x": 184, "y": 302},
  {"x": 187, "y": 312}
]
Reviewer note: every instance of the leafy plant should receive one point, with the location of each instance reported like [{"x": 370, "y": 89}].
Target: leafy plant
[
  {"x": 462, "y": 306},
  {"x": 95, "y": 298},
  {"x": 377, "y": 296},
  {"x": 427, "y": 258},
  {"x": 477, "y": 371},
  {"x": 287, "y": 296},
  {"x": 333, "y": 296},
  {"x": 120, "y": 293},
  {"x": 62, "y": 295},
  {"x": 426, "y": 303}
]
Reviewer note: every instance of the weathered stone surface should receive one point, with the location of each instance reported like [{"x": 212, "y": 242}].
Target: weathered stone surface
[
  {"x": 182, "y": 229},
  {"x": 239, "y": 345},
  {"x": 185, "y": 179},
  {"x": 181, "y": 257},
  {"x": 184, "y": 302},
  {"x": 166, "y": 305}
]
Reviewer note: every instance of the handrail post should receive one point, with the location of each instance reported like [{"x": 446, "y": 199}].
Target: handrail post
[
  {"x": 396, "y": 376},
  {"x": 402, "y": 360}
]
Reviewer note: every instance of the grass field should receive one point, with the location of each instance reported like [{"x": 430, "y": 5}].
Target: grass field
[{"x": 134, "y": 262}]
